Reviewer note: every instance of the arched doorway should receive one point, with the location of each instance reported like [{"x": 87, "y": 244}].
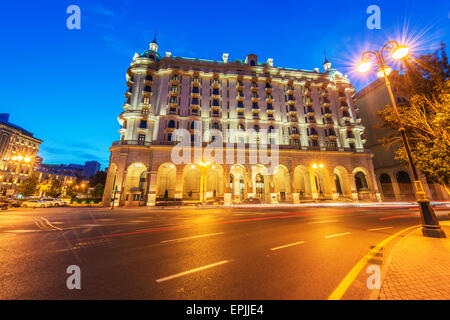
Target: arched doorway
[
  {"x": 238, "y": 178},
  {"x": 361, "y": 181},
  {"x": 386, "y": 187},
  {"x": 342, "y": 182},
  {"x": 214, "y": 181},
  {"x": 191, "y": 182},
  {"x": 166, "y": 182},
  {"x": 302, "y": 182},
  {"x": 405, "y": 186},
  {"x": 260, "y": 188},
  {"x": 282, "y": 182},
  {"x": 135, "y": 184}
]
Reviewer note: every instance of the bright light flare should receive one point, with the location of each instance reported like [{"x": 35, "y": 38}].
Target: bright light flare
[
  {"x": 400, "y": 53},
  {"x": 364, "y": 66},
  {"x": 381, "y": 72}
]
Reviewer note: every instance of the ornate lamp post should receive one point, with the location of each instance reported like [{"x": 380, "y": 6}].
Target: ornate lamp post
[
  {"x": 19, "y": 159},
  {"x": 204, "y": 167},
  {"x": 430, "y": 223}
]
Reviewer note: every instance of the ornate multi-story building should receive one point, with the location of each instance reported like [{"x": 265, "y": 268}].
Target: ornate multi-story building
[
  {"x": 310, "y": 116},
  {"x": 18, "y": 150}
]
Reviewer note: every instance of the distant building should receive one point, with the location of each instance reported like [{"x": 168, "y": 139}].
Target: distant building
[
  {"x": 393, "y": 179},
  {"x": 90, "y": 169},
  {"x": 67, "y": 169},
  {"x": 18, "y": 151}
]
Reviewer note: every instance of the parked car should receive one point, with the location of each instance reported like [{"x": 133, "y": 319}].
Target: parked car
[
  {"x": 252, "y": 201},
  {"x": 4, "y": 205},
  {"x": 35, "y": 204},
  {"x": 60, "y": 203},
  {"x": 13, "y": 202},
  {"x": 51, "y": 202}
]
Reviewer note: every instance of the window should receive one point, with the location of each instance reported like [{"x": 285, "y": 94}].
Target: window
[
  {"x": 255, "y": 105},
  {"x": 215, "y": 103},
  {"x": 143, "y": 124},
  {"x": 173, "y": 100},
  {"x": 195, "y": 101},
  {"x": 195, "y": 90},
  {"x": 141, "y": 139},
  {"x": 215, "y": 92},
  {"x": 215, "y": 125},
  {"x": 171, "y": 124},
  {"x": 256, "y": 127},
  {"x": 240, "y": 104},
  {"x": 269, "y": 106},
  {"x": 169, "y": 137}
]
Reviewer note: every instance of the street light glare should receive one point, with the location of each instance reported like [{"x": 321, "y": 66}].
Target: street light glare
[
  {"x": 383, "y": 71},
  {"x": 400, "y": 53},
  {"x": 364, "y": 66}
]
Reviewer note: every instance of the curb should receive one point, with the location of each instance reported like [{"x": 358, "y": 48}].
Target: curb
[{"x": 375, "y": 295}]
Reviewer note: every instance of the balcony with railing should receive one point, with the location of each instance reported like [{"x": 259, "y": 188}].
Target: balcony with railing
[
  {"x": 131, "y": 143},
  {"x": 175, "y": 79},
  {"x": 215, "y": 83},
  {"x": 148, "y": 80}
]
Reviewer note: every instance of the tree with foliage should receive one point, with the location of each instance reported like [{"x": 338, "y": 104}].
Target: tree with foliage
[
  {"x": 71, "y": 192},
  {"x": 98, "y": 177},
  {"x": 97, "y": 193},
  {"x": 426, "y": 118},
  {"x": 55, "y": 189},
  {"x": 29, "y": 186}
]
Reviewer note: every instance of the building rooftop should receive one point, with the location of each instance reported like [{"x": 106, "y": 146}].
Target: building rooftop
[{"x": 4, "y": 119}]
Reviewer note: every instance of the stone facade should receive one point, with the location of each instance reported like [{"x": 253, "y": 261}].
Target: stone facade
[
  {"x": 313, "y": 128},
  {"x": 18, "y": 151}
]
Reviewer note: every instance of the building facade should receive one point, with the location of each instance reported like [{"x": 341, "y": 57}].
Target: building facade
[
  {"x": 393, "y": 178},
  {"x": 66, "y": 169},
  {"x": 90, "y": 169},
  {"x": 18, "y": 151},
  {"x": 306, "y": 119}
]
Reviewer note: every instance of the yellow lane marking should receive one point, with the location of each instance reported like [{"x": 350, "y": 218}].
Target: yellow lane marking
[{"x": 339, "y": 292}]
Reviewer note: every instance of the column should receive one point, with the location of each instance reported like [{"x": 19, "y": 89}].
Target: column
[{"x": 151, "y": 197}]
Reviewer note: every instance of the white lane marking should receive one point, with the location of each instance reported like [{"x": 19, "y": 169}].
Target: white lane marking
[
  {"x": 27, "y": 231},
  {"x": 324, "y": 221},
  {"x": 376, "y": 229},
  {"x": 288, "y": 245},
  {"x": 337, "y": 235},
  {"x": 193, "y": 237},
  {"x": 7, "y": 234},
  {"x": 192, "y": 271}
]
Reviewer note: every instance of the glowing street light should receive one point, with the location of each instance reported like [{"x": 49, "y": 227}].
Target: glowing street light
[{"x": 430, "y": 223}]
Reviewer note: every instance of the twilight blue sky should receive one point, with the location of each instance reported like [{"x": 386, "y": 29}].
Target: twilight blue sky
[{"x": 67, "y": 86}]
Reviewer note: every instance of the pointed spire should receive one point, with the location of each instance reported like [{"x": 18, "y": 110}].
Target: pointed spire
[
  {"x": 154, "y": 44},
  {"x": 154, "y": 39},
  {"x": 325, "y": 55},
  {"x": 326, "y": 64}
]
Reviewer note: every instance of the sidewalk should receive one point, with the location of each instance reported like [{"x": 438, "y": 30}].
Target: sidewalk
[{"x": 419, "y": 268}]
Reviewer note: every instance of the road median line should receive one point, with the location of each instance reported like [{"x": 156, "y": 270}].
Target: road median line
[{"x": 342, "y": 288}]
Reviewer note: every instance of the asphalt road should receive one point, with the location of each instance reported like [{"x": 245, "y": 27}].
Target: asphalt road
[{"x": 216, "y": 253}]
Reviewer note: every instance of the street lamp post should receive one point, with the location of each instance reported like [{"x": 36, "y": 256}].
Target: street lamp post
[
  {"x": 19, "y": 158},
  {"x": 430, "y": 223},
  {"x": 204, "y": 170}
]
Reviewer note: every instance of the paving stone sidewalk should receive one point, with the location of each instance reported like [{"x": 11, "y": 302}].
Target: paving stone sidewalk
[{"x": 419, "y": 269}]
